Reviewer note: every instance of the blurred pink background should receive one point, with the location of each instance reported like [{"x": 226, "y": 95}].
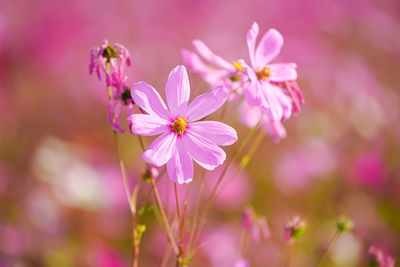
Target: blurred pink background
[{"x": 61, "y": 196}]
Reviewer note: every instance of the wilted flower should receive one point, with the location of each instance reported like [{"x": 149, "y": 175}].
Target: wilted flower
[
  {"x": 117, "y": 55},
  {"x": 295, "y": 228},
  {"x": 378, "y": 258},
  {"x": 218, "y": 71},
  {"x": 182, "y": 138},
  {"x": 256, "y": 225},
  {"x": 112, "y": 61}
]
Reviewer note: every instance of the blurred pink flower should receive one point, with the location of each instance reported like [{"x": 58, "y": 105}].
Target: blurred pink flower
[
  {"x": 300, "y": 166},
  {"x": 219, "y": 72},
  {"x": 263, "y": 89},
  {"x": 379, "y": 258},
  {"x": 369, "y": 169},
  {"x": 242, "y": 263},
  {"x": 227, "y": 242},
  {"x": 104, "y": 256},
  {"x": 251, "y": 115},
  {"x": 256, "y": 225},
  {"x": 182, "y": 139},
  {"x": 235, "y": 190}
]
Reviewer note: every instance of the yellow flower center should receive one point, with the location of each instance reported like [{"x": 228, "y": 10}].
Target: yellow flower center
[
  {"x": 264, "y": 73},
  {"x": 238, "y": 66},
  {"x": 179, "y": 125}
]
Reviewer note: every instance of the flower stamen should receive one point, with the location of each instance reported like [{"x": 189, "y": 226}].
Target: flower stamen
[
  {"x": 238, "y": 66},
  {"x": 264, "y": 73},
  {"x": 179, "y": 125}
]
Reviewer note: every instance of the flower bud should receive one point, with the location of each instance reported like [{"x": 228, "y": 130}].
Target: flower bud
[
  {"x": 344, "y": 224},
  {"x": 295, "y": 228},
  {"x": 150, "y": 173}
]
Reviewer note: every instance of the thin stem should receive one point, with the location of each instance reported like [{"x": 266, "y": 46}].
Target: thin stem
[
  {"x": 170, "y": 236},
  {"x": 165, "y": 257},
  {"x": 123, "y": 171},
  {"x": 108, "y": 87},
  {"x": 290, "y": 253},
  {"x": 135, "y": 245},
  {"x": 245, "y": 238},
  {"x": 196, "y": 213},
  {"x": 247, "y": 158},
  {"x": 181, "y": 236},
  {"x": 331, "y": 243},
  {"x": 141, "y": 142},
  {"x": 214, "y": 191},
  {"x": 224, "y": 111},
  {"x": 177, "y": 201}
]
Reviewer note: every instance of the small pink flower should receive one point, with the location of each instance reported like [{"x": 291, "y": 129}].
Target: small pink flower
[
  {"x": 217, "y": 71},
  {"x": 256, "y": 225},
  {"x": 264, "y": 89},
  {"x": 379, "y": 258},
  {"x": 251, "y": 115},
  {"x": 182, "y": 138}
]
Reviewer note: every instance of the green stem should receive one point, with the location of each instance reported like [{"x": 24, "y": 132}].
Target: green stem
[
  {"x": 331, "y": 243},
  {"x": 290, "y": 253}
]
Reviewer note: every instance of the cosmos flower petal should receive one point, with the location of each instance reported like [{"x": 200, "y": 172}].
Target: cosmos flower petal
[
  {"x": 206, "y": 53},
  {"x": 283, "y": 72},
  {"x": 284, "y": 101},
  {"x": 268, "y": 48},
  {"x": 249, "y": 70},
  {"x": 253, "y": 94},
  {"x": 147, "y": 98},
  {"x": 274, "y": 129},
  {"x": 147, "y": 125},
  {"x": 206, "y": 104},
  {"x": 217, "y": 132},
  {"x": 178, "y": 91},
  {"x": 160, "y": 150},
  {"x": 251, "y": 42},
  {"x": 204, "y": 152},
  {"x": 273, "y": 109},
  {"x": 193, "y": 62},
  {"x": 249, "y": 115},
  {"x": 180, "y": 166}
]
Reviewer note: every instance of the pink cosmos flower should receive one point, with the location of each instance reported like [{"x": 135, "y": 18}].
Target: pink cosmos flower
[
  {"x": 182, "y": 139},
  {"x": 251, "y": 115},
  {"x": 217, "y": 71},
  {"x": 379, "y": 258},
  {"x": 267, "y": 80}
]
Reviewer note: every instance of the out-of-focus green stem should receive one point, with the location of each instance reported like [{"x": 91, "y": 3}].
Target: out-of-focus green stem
[
  {"x": 331, "y": 243},
  {"x": 290, "y": 253}
]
